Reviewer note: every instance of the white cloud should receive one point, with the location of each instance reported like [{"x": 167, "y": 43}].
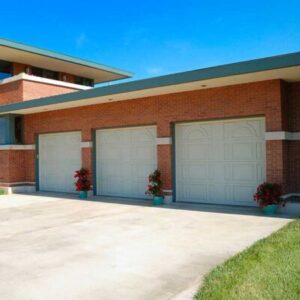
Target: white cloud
[
  {"x": 154, "y": 71},
  {"x": 81, "y": 40}
]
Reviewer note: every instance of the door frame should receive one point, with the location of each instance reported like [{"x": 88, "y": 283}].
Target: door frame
[{"x": 207, "y": 121}]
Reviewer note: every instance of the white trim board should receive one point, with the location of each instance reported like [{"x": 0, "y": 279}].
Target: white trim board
[
  {"x": 86, "y": 144},
  {"x": 163, "y": 141},
  {"x": 282, "y": 135},
  {"x": 24, "y": 76},
  {"x": 17, "y": 147},
  {"x": 17, "y": 183}
]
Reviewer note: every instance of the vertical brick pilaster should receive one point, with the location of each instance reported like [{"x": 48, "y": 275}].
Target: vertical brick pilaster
[
  {"x": 30, "y": 156},
  {"x": 276, "y": 107},
  {"x": 277, "y": 150},
  {"x": 86, "y": 155},
  {"x": 277, "y": 163},
  {"x": 164, "y": 161},
  {"x": 87, "y": 162}
]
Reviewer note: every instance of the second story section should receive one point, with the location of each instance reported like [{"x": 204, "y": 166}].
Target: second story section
[{"x": 28, "y": 73}]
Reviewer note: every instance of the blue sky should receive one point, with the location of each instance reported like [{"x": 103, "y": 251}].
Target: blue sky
[{"x": 152, "y": 38}]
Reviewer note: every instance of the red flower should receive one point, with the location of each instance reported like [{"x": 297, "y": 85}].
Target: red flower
[
  {"x": 155, "y": 184},
  {"x": 267, "y": 194},
  {"x": 83, "y": 182}
]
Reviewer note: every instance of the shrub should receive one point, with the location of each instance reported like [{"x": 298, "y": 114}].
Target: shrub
[
  {"x": 83, "y": 182},
  {"x": 154, "y": 184},
  {"x": 268, "y": 194}
]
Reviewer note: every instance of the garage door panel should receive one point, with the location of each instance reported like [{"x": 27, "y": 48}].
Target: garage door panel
[
  {"x": 241, "y": 194},
  {"x": 228, "y": 157},
  {"x": 198, "y": 152},
  {"x": 196, "y": 192},
  {"x": 59, "y": 158},
  {"x": 243, "y": 172},
  {"x": 198, "y": 171},
  {"x": 243, "y": 151},
  {"x": 144, "y": 153},
  {"x": 134, "y": 159}
]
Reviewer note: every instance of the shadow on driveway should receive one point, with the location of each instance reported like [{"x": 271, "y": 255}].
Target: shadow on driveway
[{"x": 201, "y": 207}]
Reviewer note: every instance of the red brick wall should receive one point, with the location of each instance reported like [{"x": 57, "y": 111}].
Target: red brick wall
[
  {"x": 12, "y": 164},
  {"x": 294, "y": 165},
  {"x": 5, "y": 166},
  {"x": 34, "y": 90},
  {"x": 20, "y": 90},
  {"x": 294, "y": 106},
  {"x": 270, "y": 99},
  {"x": 255, "y": 99},
  {"x": 18, "y": 68},
  {"x": 277, "y": 163},
  {"x": 11, "y": 92}
]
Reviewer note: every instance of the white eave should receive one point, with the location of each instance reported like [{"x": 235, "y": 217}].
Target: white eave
[{"x": 24, "y": 76}]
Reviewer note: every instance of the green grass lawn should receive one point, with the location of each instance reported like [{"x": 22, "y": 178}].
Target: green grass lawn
[
  {"x": 2, "y": 192},
  {"x": 270, "y": 269}
]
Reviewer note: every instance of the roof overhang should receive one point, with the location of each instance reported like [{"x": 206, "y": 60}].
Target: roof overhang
[
  {"x": 285, "y": 67},
  {"x": 16, "y": 52}
]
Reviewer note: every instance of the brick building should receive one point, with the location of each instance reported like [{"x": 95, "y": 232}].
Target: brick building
[{"x": 214, "y": 133}]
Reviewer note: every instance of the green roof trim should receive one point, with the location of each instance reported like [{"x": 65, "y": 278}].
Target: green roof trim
[
  {"x": 252, "y": 66},
  {"x": 63, "y": 57}
]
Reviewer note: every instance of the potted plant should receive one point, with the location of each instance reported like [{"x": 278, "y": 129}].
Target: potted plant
[
  {"x": 268, "y": 197},
  {"x": 83, "y": 183},
  {"x": 155, "y": 188}
]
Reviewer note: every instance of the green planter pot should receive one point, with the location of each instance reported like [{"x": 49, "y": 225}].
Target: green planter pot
[
  {"x": 83, "y": 194},
  {"x": 270, "y": 209},
  {"x": 158, "y": 200}
]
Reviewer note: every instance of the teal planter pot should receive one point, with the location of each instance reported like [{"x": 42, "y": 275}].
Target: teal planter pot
[
  {"x": 83, "y": 194},
  {"x": 270, "y": 209},
  {"x": 158, "y": 200}
]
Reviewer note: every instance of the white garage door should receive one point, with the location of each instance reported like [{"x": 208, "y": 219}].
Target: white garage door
[
  {"x": 59, "y": 158},
  {"x": 125, "y": 158},
  {"x": 220, "y": 162}
]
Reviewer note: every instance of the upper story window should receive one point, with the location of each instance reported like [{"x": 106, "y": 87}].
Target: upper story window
[
  {"x": 84, "y": 81},
  {"x": 5, "y": 69},
  {"x": 44, "y": 73}
]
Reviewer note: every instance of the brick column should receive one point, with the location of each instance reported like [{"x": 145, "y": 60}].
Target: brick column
[
  {"x": 164, "y": 161},
  {"x": 277, "y": 163},
  {"x": 164, "y": 157},
  {"x": 277, "y": 149}
]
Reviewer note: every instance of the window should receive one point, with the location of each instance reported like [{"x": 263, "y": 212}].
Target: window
[
  {"x": 84, "y": 81},
  {"x": 18, "y": 129},
  {"x": 44, "y": 73},
  {"x": 5, "y": 69},
  {"x": 11, "y": 129},
  {"x": 3, "y": 129}
]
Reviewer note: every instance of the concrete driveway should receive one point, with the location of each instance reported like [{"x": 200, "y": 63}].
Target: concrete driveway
[{"x": 60, "y": 248}]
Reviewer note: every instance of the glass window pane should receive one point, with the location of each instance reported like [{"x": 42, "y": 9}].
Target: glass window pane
[{"x": 3, "y": 129}]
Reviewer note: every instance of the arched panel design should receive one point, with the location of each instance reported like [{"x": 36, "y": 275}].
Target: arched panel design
[{"x": 224, "y": 167}]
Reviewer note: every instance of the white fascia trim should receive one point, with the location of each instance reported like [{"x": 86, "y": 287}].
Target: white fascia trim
[
  {"x": 282, "y": 135},
  {"x": 86, "y": 144},
  {"x": 17, "y": 183},
  {"x": 24, "y": 76},
  {"x": 163, "y": 141},
  {"x": 17, "y": 147}
]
